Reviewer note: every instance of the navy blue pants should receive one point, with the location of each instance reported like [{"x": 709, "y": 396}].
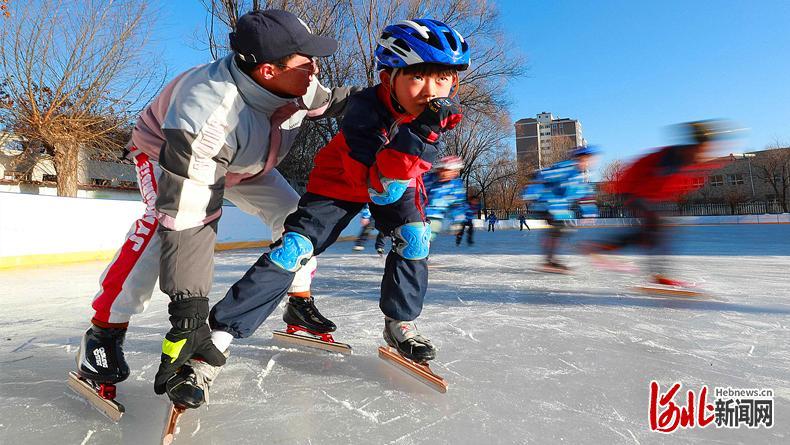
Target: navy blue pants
[{"x": 321, "y": 219}]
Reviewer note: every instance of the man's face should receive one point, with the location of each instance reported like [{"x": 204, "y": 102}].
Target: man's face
[
  {"x": 414, "y": 91},
  {"x": 291, "y": 79}
]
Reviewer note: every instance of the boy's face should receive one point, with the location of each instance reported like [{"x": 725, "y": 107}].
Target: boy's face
[
  {"x": 447, "y": 175},
  {"x": 414, "y": 91},
  {"x": 585, "y": 162}
]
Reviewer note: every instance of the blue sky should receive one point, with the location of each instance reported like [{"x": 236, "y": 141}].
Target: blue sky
[{"x": 625, "y": 69}]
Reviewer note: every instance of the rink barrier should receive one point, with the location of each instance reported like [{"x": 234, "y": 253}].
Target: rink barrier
[
  {"x": 593, "y": 223},
  {"x": 39, "y": 230}
]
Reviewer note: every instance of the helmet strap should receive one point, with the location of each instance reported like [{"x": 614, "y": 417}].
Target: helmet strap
[{"x": 395, "y": 104}]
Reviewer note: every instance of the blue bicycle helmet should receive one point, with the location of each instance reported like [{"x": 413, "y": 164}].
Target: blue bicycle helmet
[
  {"x": 411, "y": 42},
  {"x": 585, "y": 150}
]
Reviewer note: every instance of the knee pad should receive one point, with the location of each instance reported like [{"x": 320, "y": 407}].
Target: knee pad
[
  {"x": 294, "y": 251},
  {"x": 412, "y": 241}
]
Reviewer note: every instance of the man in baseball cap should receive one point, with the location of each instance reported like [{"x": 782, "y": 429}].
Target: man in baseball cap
[
  {"x": 215, "y": 132},
  {"x": 278, "y": 50},
  {"x": 270, "y": 35}
]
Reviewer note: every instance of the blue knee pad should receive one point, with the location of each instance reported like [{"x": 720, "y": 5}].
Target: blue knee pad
[
  {"x": 293, "y": 253},
  {"x": 413, "y": 240}
]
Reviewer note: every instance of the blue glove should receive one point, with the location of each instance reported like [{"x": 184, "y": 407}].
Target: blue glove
[{"x": 393, "y": 190}]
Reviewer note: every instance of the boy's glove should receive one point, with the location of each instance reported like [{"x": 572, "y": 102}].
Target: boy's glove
[
  {"x": 189, "y": 337},
  {"x": 441, "y": 114}
]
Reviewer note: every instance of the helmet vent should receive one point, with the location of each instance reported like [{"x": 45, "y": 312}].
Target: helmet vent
[
  {"x": 433, "y": 40},
  {"x": 451, "y": 40},
  {"x": 401, "y": 47}
]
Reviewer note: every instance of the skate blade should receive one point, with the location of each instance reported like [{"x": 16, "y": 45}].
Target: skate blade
[
  {"x": 609, "y": 264},
  {"x": 554, "y": 270},
  {"x": 171, "y": 424},
  {"x": 110, "y": 408},
  {"x": 311, "y": 342},
  {"x": 670, "y": 291},
  {"x": 422, "y": 373}
]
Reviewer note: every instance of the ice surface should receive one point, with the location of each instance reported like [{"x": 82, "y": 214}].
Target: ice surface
[{"x": 530, "y": 357}]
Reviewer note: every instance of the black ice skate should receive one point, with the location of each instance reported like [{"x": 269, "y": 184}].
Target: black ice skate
[
  {"x": 410, "y": 351},
  {"x": 100, "y": 365},
  {"x": 403, "y": 336},
  {"x": 189, "y": 388},
  {"x": 306, "y": 326}
]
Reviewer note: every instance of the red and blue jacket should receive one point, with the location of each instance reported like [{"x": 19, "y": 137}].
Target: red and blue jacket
[{"x": 374, "y": 141}]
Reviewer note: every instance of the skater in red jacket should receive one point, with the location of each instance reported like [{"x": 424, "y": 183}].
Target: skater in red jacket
[{"x": 662, "y": 176}]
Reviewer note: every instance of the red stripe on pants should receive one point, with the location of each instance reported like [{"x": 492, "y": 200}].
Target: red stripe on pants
[{"x": 135, "y": 244}]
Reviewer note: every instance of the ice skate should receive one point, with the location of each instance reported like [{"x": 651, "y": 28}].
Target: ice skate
[
  {"x": 100, "y": 365},
  {"x": 664, "y": 286},
  {"x": 358, "y": 248},
  {"x": 551, "y": 266},
  {"x": 307, "y": 327},
  {"x": 404, "y": 337},
  {"x": 189, "y": 388},
  {"x": 410, "y": 351}
]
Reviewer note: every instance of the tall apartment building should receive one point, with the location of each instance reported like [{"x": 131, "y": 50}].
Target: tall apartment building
[{"x": 544, "y": 140}]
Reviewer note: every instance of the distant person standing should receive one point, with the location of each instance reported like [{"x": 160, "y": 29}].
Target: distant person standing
[
  {"x": 492, "y": 219},
  {"x": 522, "y": 222}
]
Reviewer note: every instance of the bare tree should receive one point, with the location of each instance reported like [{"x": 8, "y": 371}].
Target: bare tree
[
  {"x": 611, "y": 174},
  {"x": 733, "y": 197},
  {"x": 357, "y": 25},
  {"x": 773, "y": 167},
  {"x": 72, "y": 76},
  {"x": 488, "y": 175},
  {"x": 474, "y": 138}
]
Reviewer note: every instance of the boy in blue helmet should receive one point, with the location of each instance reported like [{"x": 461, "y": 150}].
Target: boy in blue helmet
[
  {"x": 554, "y": 191},
  {"x": 388, "y": 138}
]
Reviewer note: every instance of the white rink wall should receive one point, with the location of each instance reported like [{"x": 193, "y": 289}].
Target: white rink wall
[
  {"x": 41, "y": 225},
  {"x": 45, "y": 225}
]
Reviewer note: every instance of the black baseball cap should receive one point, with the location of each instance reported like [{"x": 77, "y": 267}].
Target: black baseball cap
[{"x": 268, "y": 35}]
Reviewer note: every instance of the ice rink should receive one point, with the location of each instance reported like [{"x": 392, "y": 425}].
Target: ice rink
[{"x": 530, "y": 357}]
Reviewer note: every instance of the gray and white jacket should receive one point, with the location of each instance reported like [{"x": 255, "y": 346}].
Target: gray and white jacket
[{"x": 210, "y": 128}]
